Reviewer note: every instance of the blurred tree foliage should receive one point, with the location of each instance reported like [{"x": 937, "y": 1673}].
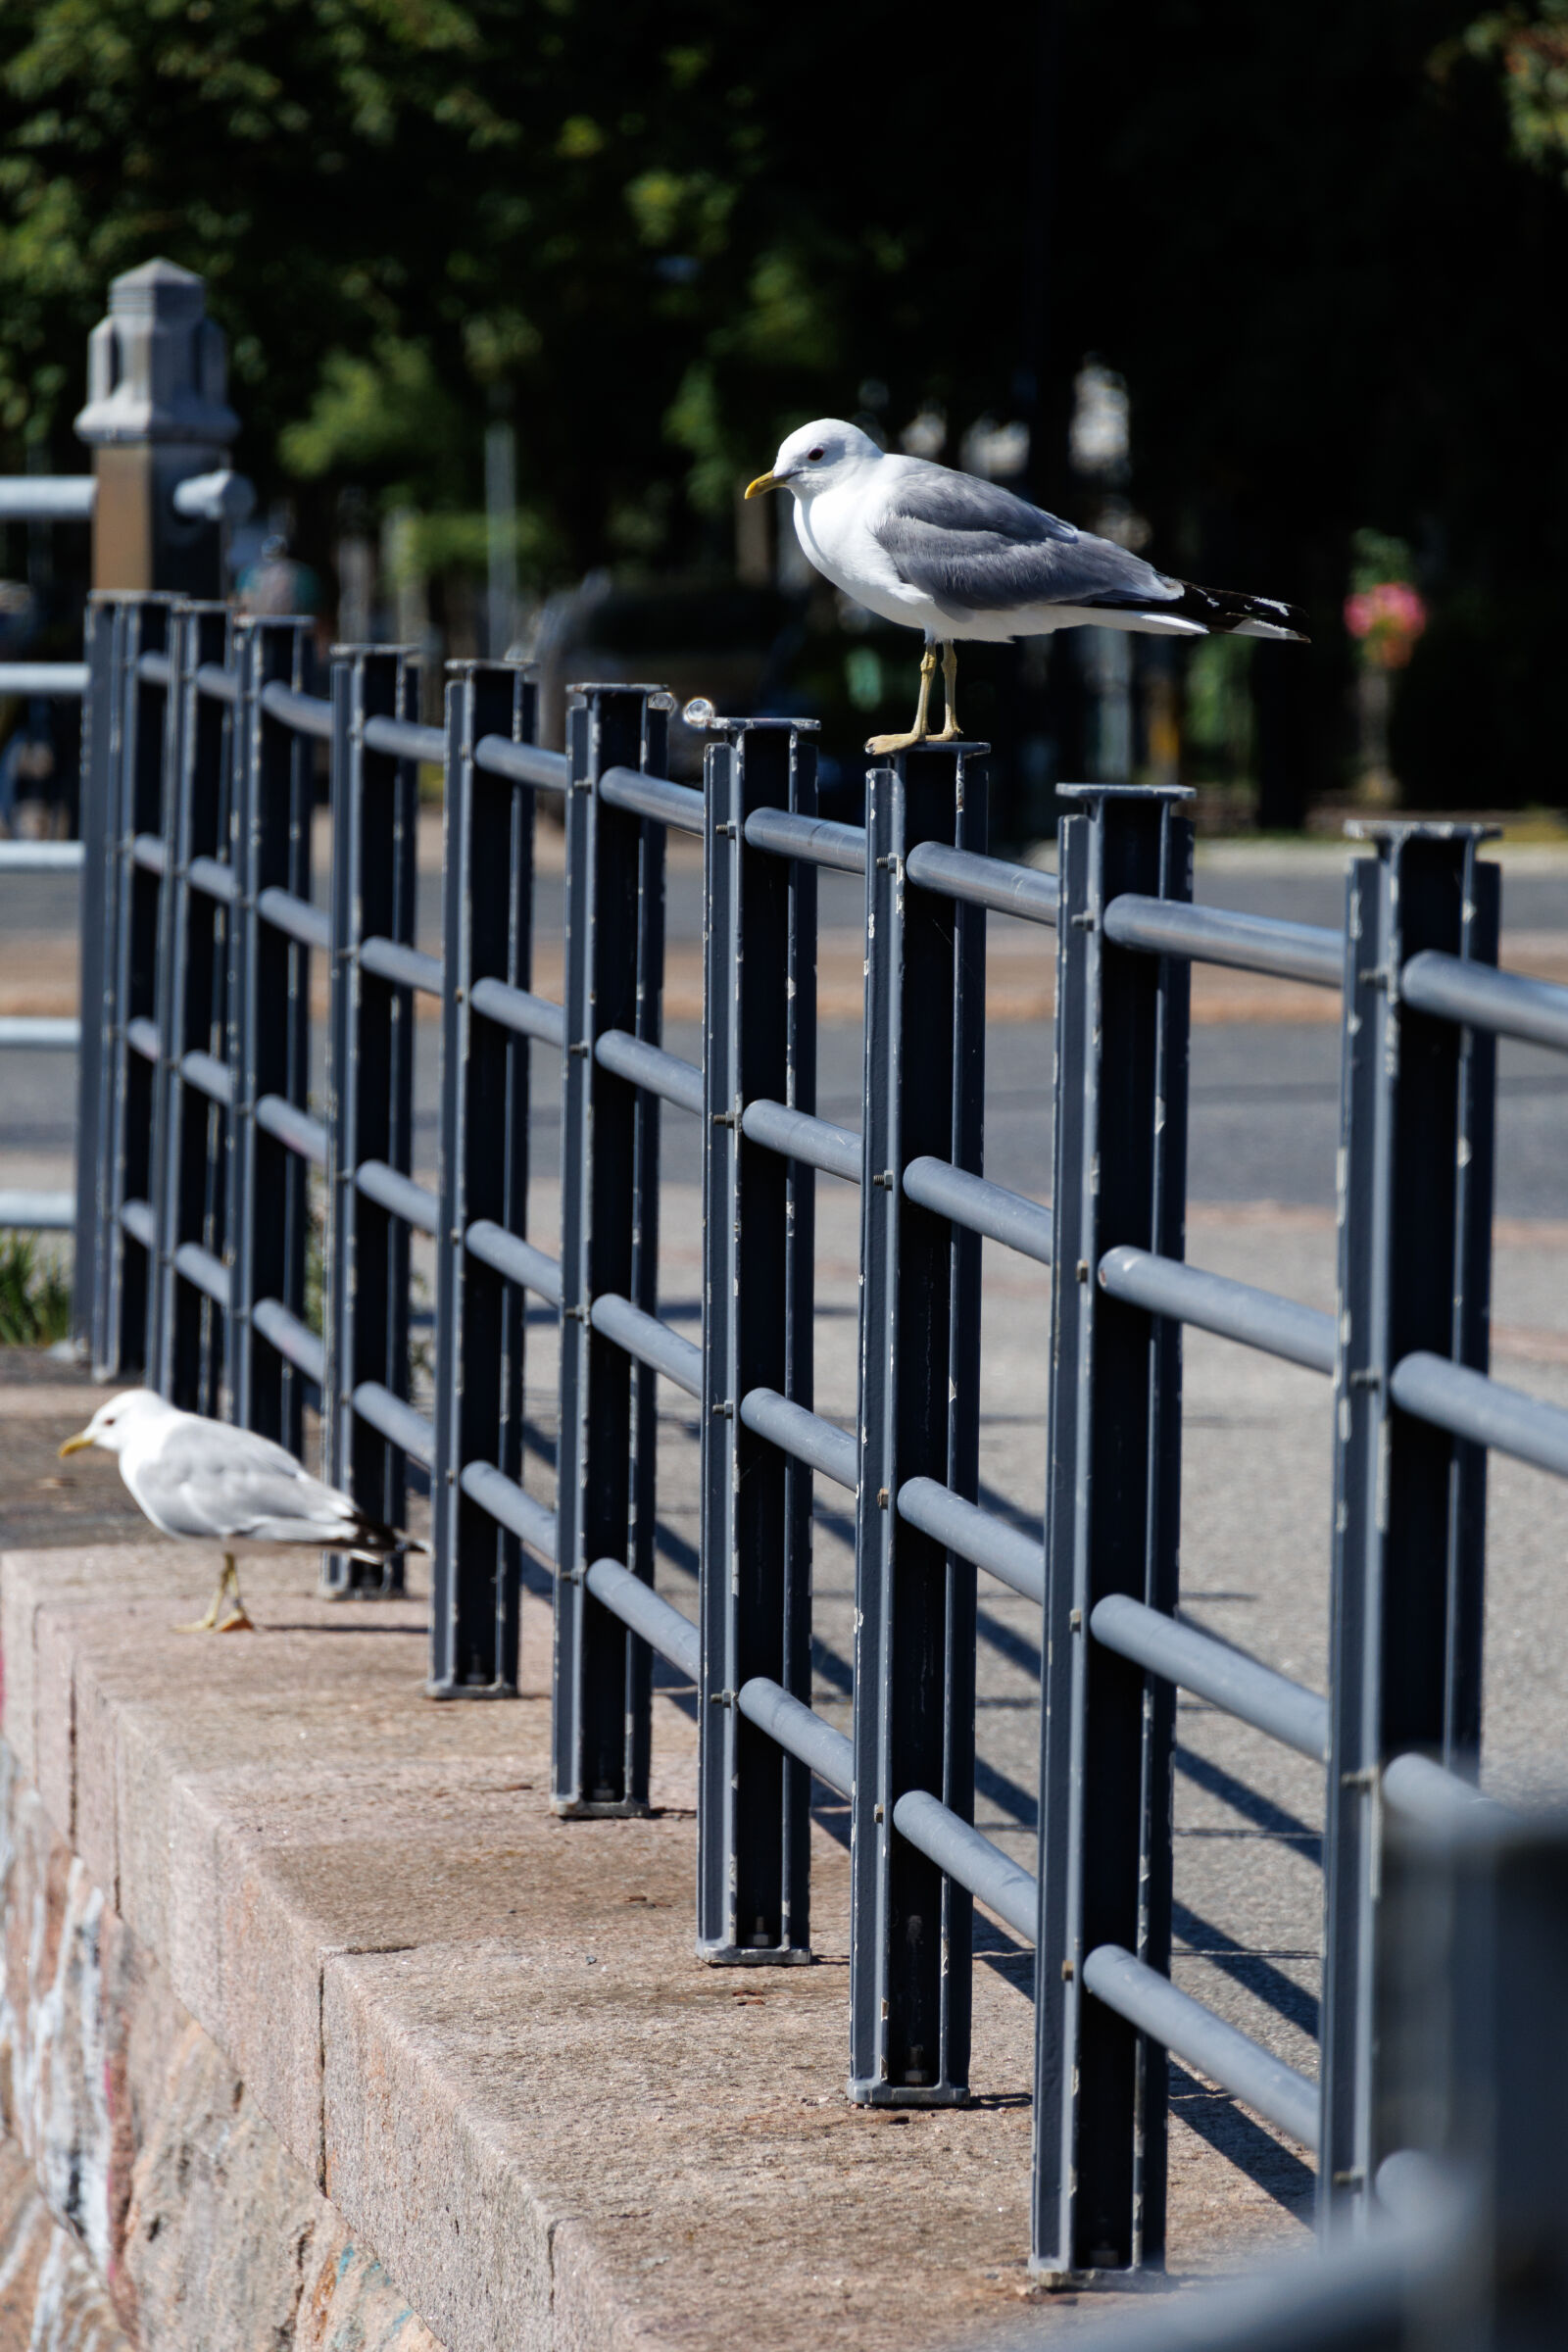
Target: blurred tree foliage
[{"x": 1319, "y": 251}]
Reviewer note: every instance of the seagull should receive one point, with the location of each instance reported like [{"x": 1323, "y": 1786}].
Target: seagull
[
  {"x": 958, "y": 556},
  {"x": 204, "y": 1479}
]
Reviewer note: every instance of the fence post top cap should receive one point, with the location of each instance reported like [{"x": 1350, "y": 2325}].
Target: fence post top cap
[
  {"x": 157, "y": 287},
  {"x": 1125, "y": 792},
  {"x": 1391, "y": 831}
]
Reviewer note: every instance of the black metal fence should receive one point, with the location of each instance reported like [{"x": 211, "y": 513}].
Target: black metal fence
[{"x": 197, "y": 1141}]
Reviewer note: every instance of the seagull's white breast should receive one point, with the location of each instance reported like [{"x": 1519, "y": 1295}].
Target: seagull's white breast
[{"x": 834, "y": 527}]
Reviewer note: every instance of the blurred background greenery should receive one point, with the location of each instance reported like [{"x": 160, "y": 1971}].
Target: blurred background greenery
[{"x": 1277, "y": 295}]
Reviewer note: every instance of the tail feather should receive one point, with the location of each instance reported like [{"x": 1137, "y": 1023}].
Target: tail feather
[
  {"x": 372, "y": 1542},
  {"x": 1224, "y": 613}
]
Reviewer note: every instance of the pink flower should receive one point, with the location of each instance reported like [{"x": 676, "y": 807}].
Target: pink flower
[{"x": 1386, "y": 620}]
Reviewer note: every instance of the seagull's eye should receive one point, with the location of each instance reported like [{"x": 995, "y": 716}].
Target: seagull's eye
[{"x": 814, "y": 454}]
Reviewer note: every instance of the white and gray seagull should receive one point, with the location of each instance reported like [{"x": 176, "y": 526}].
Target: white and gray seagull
[
  {"x": 961, "y": 557},
  {"x": 205, "y": 1480}
]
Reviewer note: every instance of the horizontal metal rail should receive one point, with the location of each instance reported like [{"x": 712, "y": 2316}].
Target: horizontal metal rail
[
  {"x": 642, "y": 1065},
  {"x": 799, "y": 1135},
  {"x": 137, "y": 1219},
  {"x": 220, "y": 684},
  {"x": 47, "y": 497},
  {"x": 213, "y": 879},
  {"x": 155, "y": 670},
  {"x": 1235, "y": 1311},
  {"x": 518, "y": 1260},
  {"x": 1248, "y": 942},
  {"x": 415, "y": 1204},
  {"x": 803, "y": 1435},
  {"x": 141, "y": 1036},
  {"x": 404, "y": 967},
  {"x": 662, "y": 1625},
  {"x": 980, "y": 1206},
  {"x": 1506, "y": 1004},
  {"x": 208, "y": 1076},
  {"x": 994, "y": 882},
  {"x": 1255, "y": 1693},
  {"x": 523, "y": 763},
  {"x": 311, "y": 925},
  {"x": 533, "y": 1523},
  {"x": 675, "y": 805},
  {"x": 1152, "y": 2003},
  {"x": 649, "y": 1340},
  {"x": 201, "y": 1269},
  {"x": 41, "y": 1032},
  {"x": 1472, "y": 1405},
  {"x": 517, "y": 1009},
  {"x": 1430, "y": 1797},
  {"x": 41, "y": 857},
  {"x": 395, "y": 1420},
  {"x": 149, "y": 852},
  {"x": 959, "y": 1848},
  {"x": 817, "y": 840},
  {"x": 294, "y": 1127},
  {"x": 26, "y": 1211},
  {"x": 291, "y": 1338},
  {"x": 975, "y": 1534},
  {"x": 799, "y": 1732},
  {"x": 304, "y": 713},
  {"x": 60, "y": 681},
  {"x": 406, "y": 739}
]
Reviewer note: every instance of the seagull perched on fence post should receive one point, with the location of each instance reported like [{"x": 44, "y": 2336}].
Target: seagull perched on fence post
[
  {"x": 958, "y": 556},
  {"x": 207, "y": 1480}
]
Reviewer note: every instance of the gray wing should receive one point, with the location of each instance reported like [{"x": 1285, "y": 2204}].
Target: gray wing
[
  {"x": 974, "y": 548},
  {"x": 208, "y": 1480}
]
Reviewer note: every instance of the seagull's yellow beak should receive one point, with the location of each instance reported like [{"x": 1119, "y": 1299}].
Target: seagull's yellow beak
[
  {"x": 75, "y": 1444},
  {"x": 763, "y": 481}
]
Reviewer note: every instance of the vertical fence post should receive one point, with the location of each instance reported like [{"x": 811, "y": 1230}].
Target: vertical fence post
[
  {"x": 608, "y": 1237},
  {"x": 1415, "y": 1236},
  {"x": 487, "y": 934},
  {"x": 910, "y": 1960},
  {"x": 127, "y": 1127},
  {"x": 759, "y": 992},
  {"x": 269, "y": 981},
  {"x": 189, "y": 1140},
  {"x": 1112, "y": 1517},
  {"x": 99, "y": 906},
  {"x": 370, "y": 1083}
]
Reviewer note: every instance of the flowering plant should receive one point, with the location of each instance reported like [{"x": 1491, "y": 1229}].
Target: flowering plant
[{"x": 1386, "y": 620}]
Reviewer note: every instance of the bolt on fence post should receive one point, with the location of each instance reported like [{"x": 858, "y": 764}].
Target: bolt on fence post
[
  {"x": 1112, "y": 1526},
  {"x": 487, "y": 934},
  {"x": 370, "y": 1087},
  {"x": 137, "y": 773},
  {"x": 911, "y": 1925},
  {"x": 99, "y": 905},
  {"x": 189, "y": 1129},
  {"x": 759, "y": 992},
  {"x": 1417, "y": 1108},
  {"x": 270, "y": 998},
  {"x": 609, "y": 1242}
]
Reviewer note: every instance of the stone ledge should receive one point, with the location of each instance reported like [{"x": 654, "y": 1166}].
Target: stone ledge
[{"x": 483, "y": 2031}]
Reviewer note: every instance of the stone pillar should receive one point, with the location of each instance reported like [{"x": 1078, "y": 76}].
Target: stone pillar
[{"x": 155, "y": 415}]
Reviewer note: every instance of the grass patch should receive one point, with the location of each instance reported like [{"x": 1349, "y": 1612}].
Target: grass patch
[{"x": 34, "y": 1293}]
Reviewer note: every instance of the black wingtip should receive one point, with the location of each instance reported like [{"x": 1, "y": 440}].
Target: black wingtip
[{"x": 1224, "y": 611}]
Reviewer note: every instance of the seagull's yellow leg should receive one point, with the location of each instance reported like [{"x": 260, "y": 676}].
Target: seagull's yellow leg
[
  {"x": 950, "y": 695},
  {"x": 221, "y": 1618},
  {"x": 921, "y": 729}
]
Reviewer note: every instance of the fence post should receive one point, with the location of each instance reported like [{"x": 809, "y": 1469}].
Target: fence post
[
  {"x": 269, "y": 980},
  {"x": 759, "y": 993},
  {"x": 608, "y": 1242},
  {"x": 1112, "y": 1520},
  {"x": 99, "y": 903},
  {"x": 189, "y": 1143},
  {"x": 1417, "y": 1105},
  {"x": 909, "y": 1936},
  {"x": 487, "y": 934},
  {"x": 370, "y": 1087},
  {"x": 126, "y": 1131}
]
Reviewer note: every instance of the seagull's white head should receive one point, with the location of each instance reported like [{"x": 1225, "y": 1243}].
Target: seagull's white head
[
  {"x": 113, "y": 1423},
  {"x": 816, "y": 458}
]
